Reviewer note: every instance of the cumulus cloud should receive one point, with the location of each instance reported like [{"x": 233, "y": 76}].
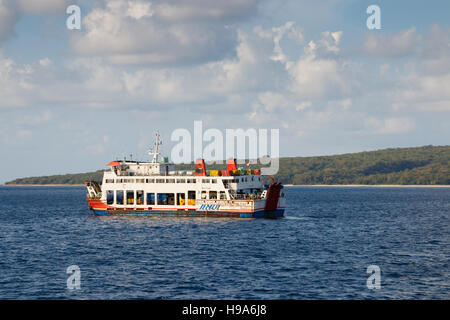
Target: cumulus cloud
[
  {"x": 303, "y": 105},
  {"x": 320, "y": 73},
  {"x": 425, "y": 92},
  {"x": 424, "y": 82},
  {"x": 276, "y": 34},
  {"x": 15, "y": 83},
  {"x": 396, "y": 125},
  {"x": 45, "y": 62},
  {"x": 138, "y": 32},
  {"x": 398, "y": 44},
  {"x": 265, "y": 82}
]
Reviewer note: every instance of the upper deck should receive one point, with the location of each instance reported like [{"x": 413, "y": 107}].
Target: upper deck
[{"x": 163, "y": 177}]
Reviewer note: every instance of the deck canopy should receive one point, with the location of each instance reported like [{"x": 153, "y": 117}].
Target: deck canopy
[{"x": 114, "y": 163}]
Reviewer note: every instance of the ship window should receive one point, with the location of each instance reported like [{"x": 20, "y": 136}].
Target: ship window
[
  {"x": 203, "y": 194},
  {"x": 140, "y": 180},
  {"x": 205, "y": 180},
  {"x": 191, "y": 197},
  {"x": 213, "y": 180},
  {"x": 181, "y": 180},
  {"x": 140, "y": 197},
  {"x": 170, "y": 180},
  {"x": 150, "y": 180},
  {"x": 190, "y": 180},
  {"x": 130, "y": 197},
  {"x": 119, "y": 197},
  {"x": 109, "y": 197},
  {"x": 160, "y": 180},
  {"x": 119, "y": 180},
  {"x": 109, "y": 181},
  {"x": 223, "y": 195},
  {"x": 150, "y": 199},
  {"x": 166, "y": 199},
  {"x": 181, "y": 199},
  {"x": 213, "y": 194}
]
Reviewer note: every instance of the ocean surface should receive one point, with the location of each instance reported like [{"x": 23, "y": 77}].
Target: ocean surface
[{"x": 320, "y": 250}]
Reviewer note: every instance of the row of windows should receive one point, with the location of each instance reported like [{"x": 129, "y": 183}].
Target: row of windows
[
  {"x": 158, "y": 181},
  {"x": 236, "y": 180},
  {"x": 129, "y": 197}
]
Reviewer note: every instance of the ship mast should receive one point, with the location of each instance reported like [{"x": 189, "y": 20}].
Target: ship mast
[{"x": 155, "y": 150}]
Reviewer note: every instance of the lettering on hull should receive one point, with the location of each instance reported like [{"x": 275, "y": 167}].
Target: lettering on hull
[{"x": 209, "y": 207}]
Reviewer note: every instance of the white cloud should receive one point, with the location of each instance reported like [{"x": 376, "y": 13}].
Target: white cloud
[
  {"x": 425, "y": 92},
  {"x": 41, "y": 117},
  {"x": 393, "y": 125},
  {"x": 183, "y": 32},
  {"x": 273, "y": 100},
  {"x": 139, "y": 9},
  {"x": 424, "y": 82},
  {"x": 15, "y": 83},
  {"x": 399, "y": 44},
  {"x": 45, "y": 62},
  {"x": 303, "y": 105},
  {"x": 277, "y": 34}
]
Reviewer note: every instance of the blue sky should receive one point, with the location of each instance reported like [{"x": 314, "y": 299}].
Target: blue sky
[{"x": 71, "y": 100}]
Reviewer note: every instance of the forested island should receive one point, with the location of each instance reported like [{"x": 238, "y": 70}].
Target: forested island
[{"x": 428, "y": 165}]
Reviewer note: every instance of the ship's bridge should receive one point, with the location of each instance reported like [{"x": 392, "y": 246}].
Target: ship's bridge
[{"x": 136, "y": 168}]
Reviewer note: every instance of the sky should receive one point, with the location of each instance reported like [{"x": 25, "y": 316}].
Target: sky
[{"x": 72, "y": 100}]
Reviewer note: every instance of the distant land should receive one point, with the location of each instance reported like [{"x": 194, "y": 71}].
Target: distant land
[{"x": 428, "y": 165}]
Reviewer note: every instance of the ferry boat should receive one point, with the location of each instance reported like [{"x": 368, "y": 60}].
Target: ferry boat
[{"x": 155, "y": 188}]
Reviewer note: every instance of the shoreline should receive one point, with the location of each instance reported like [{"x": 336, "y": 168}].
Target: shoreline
[
  {"x": 372, "y": 185},
  {"x": 286, "y": 185},
  {"x": 41, "y": 185}
]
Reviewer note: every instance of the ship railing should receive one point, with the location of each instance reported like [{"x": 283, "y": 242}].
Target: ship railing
[
  {"x": 96, "y": 197},
  {"x": 135, "y": 174},
  {"x": 247, "y": 197}
]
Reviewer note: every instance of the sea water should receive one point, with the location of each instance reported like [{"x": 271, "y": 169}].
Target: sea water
[{"x": 321, "y": 250}]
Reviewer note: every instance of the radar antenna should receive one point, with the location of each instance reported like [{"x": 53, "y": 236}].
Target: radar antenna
[{"x": 155, "y": 150}]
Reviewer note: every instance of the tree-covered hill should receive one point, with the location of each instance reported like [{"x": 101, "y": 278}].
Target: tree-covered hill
[
  {"x": 427, "y": 165},
  {"x": 405, "y": 166},
  {"x": 69, "y": 179}
]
